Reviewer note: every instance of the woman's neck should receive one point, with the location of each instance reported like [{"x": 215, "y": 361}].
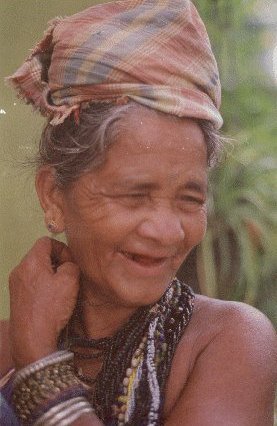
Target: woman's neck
[{"x": 101, "y": 318}]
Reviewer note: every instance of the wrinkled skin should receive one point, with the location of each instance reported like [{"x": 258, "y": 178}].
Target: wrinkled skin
[
  {"x": 149, "y": 200},
  {"x": 129, "y": 225}
]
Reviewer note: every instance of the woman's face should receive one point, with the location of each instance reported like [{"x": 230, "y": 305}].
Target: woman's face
[{"x": 131, "y": 223}]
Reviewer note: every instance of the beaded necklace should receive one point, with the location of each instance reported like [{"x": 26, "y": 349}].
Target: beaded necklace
[{"x": 130, "y": 387}]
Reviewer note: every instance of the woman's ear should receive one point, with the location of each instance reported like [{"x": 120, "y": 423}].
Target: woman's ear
[{"x": 51, "y": 199}]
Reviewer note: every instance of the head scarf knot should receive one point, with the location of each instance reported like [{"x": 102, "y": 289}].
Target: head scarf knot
[{"x": 154, "y": 52}]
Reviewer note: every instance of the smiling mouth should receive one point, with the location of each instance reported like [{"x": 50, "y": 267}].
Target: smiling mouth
[{"x": 145, "y": 260}]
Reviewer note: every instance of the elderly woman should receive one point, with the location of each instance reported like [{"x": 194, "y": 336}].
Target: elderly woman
[{"x": 101, "y": 331}]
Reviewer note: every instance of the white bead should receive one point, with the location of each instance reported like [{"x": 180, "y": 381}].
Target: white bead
[
  {"x": 126, "y": 381},
  {"x": 134, "y": 362},
  {"x": 129, "y": 372},
  {"x": 137, "y": 353}
]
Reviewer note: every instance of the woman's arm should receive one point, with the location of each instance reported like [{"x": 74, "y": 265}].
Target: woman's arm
[
  {"x": 234, "y": 377},
  {"x": 42, "y": 301},
  {"x": 43, "y": 293}
]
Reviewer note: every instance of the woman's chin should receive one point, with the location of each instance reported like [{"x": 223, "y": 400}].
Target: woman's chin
[
  {"x": 141, "y": 292},
  {"x": 129, "y": 288}
]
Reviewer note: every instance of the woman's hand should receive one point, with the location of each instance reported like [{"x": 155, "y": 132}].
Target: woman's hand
[{"x": 43, "y": 293}]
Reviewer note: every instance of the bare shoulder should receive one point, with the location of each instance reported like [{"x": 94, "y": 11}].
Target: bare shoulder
[
  {"x": 230, "y": 347},
  {"x": 226, "y": 326},
  {"x": 232, "y": 327},
  {"x": 207, "y": 307},
  {"x": 218, "y": 318},
  {"x": 5, "y": 356}
]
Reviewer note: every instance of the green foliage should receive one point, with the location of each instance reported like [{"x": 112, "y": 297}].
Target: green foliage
[
  {"x": 236, "y": 259},
  {"x": 238, "y": 252}
]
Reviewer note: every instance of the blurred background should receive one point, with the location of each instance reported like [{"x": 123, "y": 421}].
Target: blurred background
[{"x": 237, "y": 259}]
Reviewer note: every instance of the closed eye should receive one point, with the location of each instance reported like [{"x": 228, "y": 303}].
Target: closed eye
[
  {"x": 128, "y": 195},
  {"x": 192, "y": 199},
  {"x": 136, "y": 198},
  {"x": 190, "y": 203},
  {"x": 132, "y": 199}
]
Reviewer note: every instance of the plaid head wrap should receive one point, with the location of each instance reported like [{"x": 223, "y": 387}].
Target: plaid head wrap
[{"x": 155, "y": 52}]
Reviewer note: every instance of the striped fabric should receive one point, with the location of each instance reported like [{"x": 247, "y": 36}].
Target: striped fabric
[{"x": 155, "y": 52}]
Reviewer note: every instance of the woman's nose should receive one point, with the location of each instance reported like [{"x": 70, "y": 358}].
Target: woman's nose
[{"x": 164, "y": 226}]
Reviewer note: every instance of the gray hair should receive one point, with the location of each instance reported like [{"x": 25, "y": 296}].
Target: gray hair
[{"x": 74, "y": 149}]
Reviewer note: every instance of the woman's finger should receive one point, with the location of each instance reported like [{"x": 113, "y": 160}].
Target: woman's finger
[
  {"x": 39, "y": 257},
  {"x": 60, "y": 254},
  {"x": 69, "y": 269},
  {"x": 49, "y": 253}
]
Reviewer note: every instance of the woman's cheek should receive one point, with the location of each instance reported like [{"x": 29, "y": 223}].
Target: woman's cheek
[{"x": 199, "y": 227}]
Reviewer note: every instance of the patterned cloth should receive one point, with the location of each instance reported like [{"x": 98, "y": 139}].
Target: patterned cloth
[{"x": 155, "y": 52}]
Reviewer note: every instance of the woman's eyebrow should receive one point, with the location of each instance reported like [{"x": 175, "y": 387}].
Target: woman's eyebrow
[
  {"x": 136, "y": 185},
  {"x": 196, "y": 186}
]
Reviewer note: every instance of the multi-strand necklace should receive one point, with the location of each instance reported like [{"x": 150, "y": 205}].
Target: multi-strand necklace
[{"x": 136, "y": 361}]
